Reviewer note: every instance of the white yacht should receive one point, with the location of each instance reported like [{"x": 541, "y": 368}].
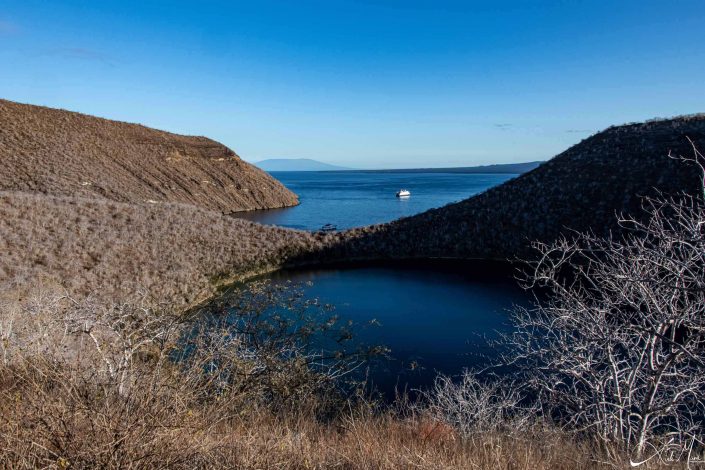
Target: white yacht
[{"x": 403, "y": 193}]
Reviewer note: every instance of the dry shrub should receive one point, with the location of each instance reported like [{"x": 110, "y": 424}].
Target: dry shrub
[
  {"x": 110, "y": 250},
  {"x": 133, "y": 387},
  {"x": 51, "y": 419},
  {"x": 616, "y": 346},
  {"x": 473, "y": 405}
]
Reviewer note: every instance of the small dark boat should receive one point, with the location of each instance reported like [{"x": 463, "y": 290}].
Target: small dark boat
[{"x": 329, "y": 228}]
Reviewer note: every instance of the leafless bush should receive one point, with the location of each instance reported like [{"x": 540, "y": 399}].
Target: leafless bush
[
  {"x": 52, "y": 419},
  {"x": 698, "y": 160},
  {"x": 131, "y": 386},
  {"x": 473, "y": 405},
  {"x": 109, "y": 385},
  {"x": 120, "y": 332},
  {"x": 617, "y": 346},
  {"x": 273, "y": 344},
  {"x": 244, "y": 398}
]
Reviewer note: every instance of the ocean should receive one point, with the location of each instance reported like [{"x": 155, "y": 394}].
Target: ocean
[{"x": 349, "y": 199}]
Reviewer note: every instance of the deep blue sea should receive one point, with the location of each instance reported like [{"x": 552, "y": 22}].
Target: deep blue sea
[{"x": 353, "y": 198}]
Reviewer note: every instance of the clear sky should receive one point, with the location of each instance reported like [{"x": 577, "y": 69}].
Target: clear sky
[{"x": 375, "y": 83}]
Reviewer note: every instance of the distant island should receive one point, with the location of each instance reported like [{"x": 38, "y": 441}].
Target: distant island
[
  {"x": 513, "y": 168},
  {"x": 296, "y": 164},
  {"x": 307, "y": 164}
]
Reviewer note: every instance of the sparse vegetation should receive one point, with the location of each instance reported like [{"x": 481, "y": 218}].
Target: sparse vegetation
[
  {"x": 614, "y": 347},
  {"x": 110, "y": 250},
  {"x": 225, "y": 398},
  {"x": 61, "y": 153},
  {"x": 108, "y": 237},
  {"x": 617, "y": 349}
]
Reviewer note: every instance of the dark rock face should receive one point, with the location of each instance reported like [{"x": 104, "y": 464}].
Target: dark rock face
[
  {"x": 61, "y": 153},
  {"x": 583, "y": 188}
]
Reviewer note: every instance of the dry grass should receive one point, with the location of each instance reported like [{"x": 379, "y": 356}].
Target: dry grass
[
  {"x": 57, "y": 152},
  {"x": 61, "y": 408},
  {"x": 45, "y": 424},
  {"x": 57, "y": 415}
]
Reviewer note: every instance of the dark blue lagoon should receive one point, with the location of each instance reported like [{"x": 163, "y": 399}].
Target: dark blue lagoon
[
  {"x": 355, "y": 198},
  {"x": 434, "y": 316}
]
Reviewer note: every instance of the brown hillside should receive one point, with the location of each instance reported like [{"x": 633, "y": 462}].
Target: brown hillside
[
  {"x": 112, "y": 250},
  {"x": 176, "y": 251},
  {"x": 63, "y": 153},
  {"x": 581, "y": 189}
]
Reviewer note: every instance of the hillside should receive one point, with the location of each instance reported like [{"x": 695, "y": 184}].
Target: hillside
[
  {"x": 111, "y": 250},
  {"x": 582, "y": 189},
  {"x": 178, "y": 251},
  {"x": 63, "y": 153},
  {"x": 296, "y": 164}
]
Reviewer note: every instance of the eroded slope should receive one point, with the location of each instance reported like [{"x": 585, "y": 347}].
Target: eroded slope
[{"x": 63, "y": 153}]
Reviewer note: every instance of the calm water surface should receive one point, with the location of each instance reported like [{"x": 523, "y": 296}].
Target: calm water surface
[
  {"x": 353, "y": 199},
  {"x": 435, "y": 317}
]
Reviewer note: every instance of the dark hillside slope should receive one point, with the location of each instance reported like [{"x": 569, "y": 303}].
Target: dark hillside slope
[
  {"x": 63, "y": 153},
  {"x": 582, "y": 188}
]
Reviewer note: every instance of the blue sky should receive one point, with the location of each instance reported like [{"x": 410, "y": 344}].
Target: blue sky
[{"x": 376, "y": 83}]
